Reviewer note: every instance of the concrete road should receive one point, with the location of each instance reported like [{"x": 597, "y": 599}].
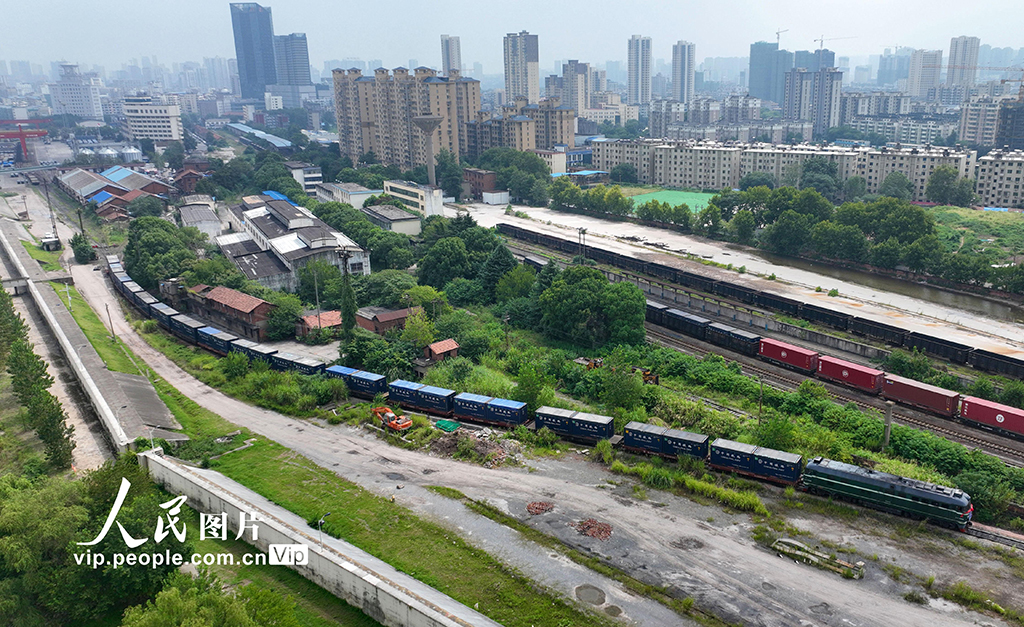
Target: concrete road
[
  {"x": 698, "y": 551},
  {"x": 909, "y": 313}
]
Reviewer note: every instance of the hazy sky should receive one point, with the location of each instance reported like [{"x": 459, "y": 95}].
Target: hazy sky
[{"x": 112, "y": 31}]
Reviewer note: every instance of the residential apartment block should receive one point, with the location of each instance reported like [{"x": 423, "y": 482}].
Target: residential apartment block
[
  {"x": 979, "y": 118},
  {"x": 916, "y": 129},
  {"x": 1001, "y": 178},
  {"x": 813, "y": 97},
  {"x": 375, "y": 113},
  {"x": 522, "y": 67},
  {"x": 717, "y": 165}
]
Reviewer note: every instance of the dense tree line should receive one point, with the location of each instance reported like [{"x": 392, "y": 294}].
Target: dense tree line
[
  {"x": 31, "y": 383},
  {"x": 523, "y": 174}
]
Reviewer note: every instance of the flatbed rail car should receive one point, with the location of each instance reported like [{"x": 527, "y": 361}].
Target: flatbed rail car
[
  {"x": 891, "y": 493},
  {"x": 894, "y": 336}
]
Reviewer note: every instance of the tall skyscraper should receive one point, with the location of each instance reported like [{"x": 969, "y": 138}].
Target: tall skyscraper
[
  {"x": 684, "y": 61},
  {"x": 963, "y": 61},
  {"x": 576, "y": 87},
  {"x": 291, "y": 58},
  {"x": 253, "y": 26},
  {"x": 451, "y": 54},
  {"x": 768, "y": 67},
  {"x": 522, "y": 67},
  {"x": 925, "y": 69},
  {"x": 814, "y": 97},
  {"x": 893, "y": 67},
  {"x": 639, "y": 70}
]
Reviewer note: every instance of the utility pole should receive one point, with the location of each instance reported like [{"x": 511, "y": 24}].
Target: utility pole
[
  {"x": 888, "y": 424},
  {"x": 316, "y": 290},
  {"x": 760, "y": 401},
  {"x": 113, "y": 336}
]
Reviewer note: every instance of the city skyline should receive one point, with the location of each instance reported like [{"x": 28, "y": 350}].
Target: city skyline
[{"x": 203, "y": 30}]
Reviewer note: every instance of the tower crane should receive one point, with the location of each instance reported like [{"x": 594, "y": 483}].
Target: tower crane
[
  {"x": 821, "y": 40},
  {"x": 778, "y": 35}
]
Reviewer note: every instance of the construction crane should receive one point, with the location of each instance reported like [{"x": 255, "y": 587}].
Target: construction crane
[
  {"x": 821, "y": 40},
  {"x": 778, "y": 35},
  {"x": 22, "y": 134}
]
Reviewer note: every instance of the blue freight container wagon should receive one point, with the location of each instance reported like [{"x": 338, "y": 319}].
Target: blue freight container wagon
[
  {"x": 283, "y": 361},
  {"x": 264, "y": 353},
  {"x": 675, "y": 442},
  {"x": 733, "y": 456},
  {"x": 367, "y": 384},
  {"x": 340, "y": 372},
  {"x": 778, "y": 466},
  {"x": 557, "y": 420},
  {"x": 162, "y": 314},
  {"x": 308, "y": 365},
  {"x": 186, "y": 328},
  {"x": 591, "y": 428},
  {"x": 472, "y": 407},
  {"x": 404, "y": 392},
  {"x": 643, "y": 438},
  {"x": 436, "y": 400},
  {"x": 502, "y": 411},
  {"x": 213, "y": 339}
]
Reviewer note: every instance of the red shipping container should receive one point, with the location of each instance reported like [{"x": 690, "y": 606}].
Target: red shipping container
[
  {"x": 851, "y": 374},
  {"x": 794, "y": 356},
  {"x": 922, "y": 395},
  {"x": 1002, "y": 417}
]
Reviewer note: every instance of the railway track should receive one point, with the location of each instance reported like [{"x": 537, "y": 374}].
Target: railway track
[
  {"x": 993, "y": 534},
  {"x": 1011, "y": 456}
]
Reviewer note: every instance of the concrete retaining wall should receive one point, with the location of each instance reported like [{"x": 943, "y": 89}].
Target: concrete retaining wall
[
  {"x": 106, "y": 415},
  {"x": 744, "y": 318},
  {"x": 386, "y": 595}
]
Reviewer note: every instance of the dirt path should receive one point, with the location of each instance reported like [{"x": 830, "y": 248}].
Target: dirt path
[{"x": 728, "y": 573}]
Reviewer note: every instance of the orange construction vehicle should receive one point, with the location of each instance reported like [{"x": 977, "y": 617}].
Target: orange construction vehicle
[{"x": 389, "y": 420}]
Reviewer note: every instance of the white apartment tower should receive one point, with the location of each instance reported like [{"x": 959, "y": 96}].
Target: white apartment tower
[
  {"x": 963, "y": 61},
  {"x": 684, "y": 59},
  {"x": 576, "y": 87},
  {"x": 639, "y": 71},
  {"x": 522, "y": 67},
  {"x": 451, "y": 54},
  {"x": 925, "y": 68},
  {"x": 76, "y": 94}
]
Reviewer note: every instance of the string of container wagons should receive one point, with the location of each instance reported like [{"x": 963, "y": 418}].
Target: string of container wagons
[
  {"x": 976, "y": 412},
  {"x": 900, "y": 495}
]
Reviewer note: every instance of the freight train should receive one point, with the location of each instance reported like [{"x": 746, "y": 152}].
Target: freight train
[
  {"x": 894, "y": 336},
  {"x": 977, "y": 412},
  {"x": 900, "y": 495}
]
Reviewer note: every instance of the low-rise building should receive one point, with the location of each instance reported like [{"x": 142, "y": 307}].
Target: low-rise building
[
  {"x": 379, "y": 320},
  {"x": 348, "y": 193},
  {"x": 392, "y": 218},
  {"x": 201, "y": 217},
  {"x": 427, "y": 200},
  {"x": 478, "y": 181},
  {"x": 305, "y": 174},
  {"x": 1001, "y": 179},
  {"x": 279, "y": 238},
  {"x": 554, "y": 159},
  {"x": 186, "y": 179},
  {"x": 441, "y": 350},
  {"x": 230, "y": 310},
  {"x": 328, "y": 320}
]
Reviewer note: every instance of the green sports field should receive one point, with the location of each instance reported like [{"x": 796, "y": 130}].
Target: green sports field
[{"x": 695, "y": 200}]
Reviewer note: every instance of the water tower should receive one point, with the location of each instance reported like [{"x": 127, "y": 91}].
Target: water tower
[{"x": 427, "y": 125}]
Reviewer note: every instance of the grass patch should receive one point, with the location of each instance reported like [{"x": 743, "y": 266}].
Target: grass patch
[
  {"x": 49, "y": 260},
  {"x": 8, "y": 194},
  {"x": 662, "y": 478},
  {"x": 113, "y": 352},
  {"x": 696, "y": 200},
  {"x": 21, "y": 451},
  {"x": 392, "y": 533},
  {"x": 660, "y": 594}
]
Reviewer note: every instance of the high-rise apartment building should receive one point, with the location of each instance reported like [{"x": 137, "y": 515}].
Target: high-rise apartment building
[
  {"x": 576, "y": 88},
  {"x": 925, "y": 69},
  {"x": 684, "y": 65},
  {"x": 76, "y": 94},
  {"x": 375, "y": 113},
  {"x": 737, "y": 109},
  {"x": 522, "y": 67},
  {"x": 253, "y": 27},
  {"x": 963, "y": 61},
  {"x": 892, "y": 67},
  {"x": 554, "y": 122},
  {"x": 451, "y": 54},
  {"x": 291, "y": 59},
  {"x": 145, "y": 119},
  {"x": 639, "y": 71},
  {"x": 1010, "y": 128},
  {"x": 979, "y": 118},
  {"x": 768, "y": 67},
  {"x": 814, "y": 97}
]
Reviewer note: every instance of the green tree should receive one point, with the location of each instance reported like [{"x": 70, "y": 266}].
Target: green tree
[
  {"x": 383, "y": 288},
  {"x": 855, "y": 187},
  {"x": 500, "y": 263},
  {"x": 419, "y": 331},
  {"x": 887, "y": 254},
  {"x": 708, "y": 221},
  {"x": 565, "y": 194},
  {"x": 742, "y": 226},
  {"x": 896, "y": 185},
  {"x": 824, "y": 185},
  {"x": 963, "y": 195},
  {"x": 282, "y": 319},
  {"x": 433, "y": 302},
  {"x": 839, "y": 241},
  {"x": 446, "y": 260},
  {"x": 449, "y": 174},
  {"x": 515, "y": 284},
  {"x": 84, "y": 252},
  {"x": 923, "y": 253},
  {"x": 389, "y": 249},
  {"x": 174, "y": 155},
  {"x": 904, "y": 222},
  {"x": 314, "y": 277},
  {"x": 757, "y": 179},
  {"x": 158, "y": 250},
  {"x": 788, "y": 234},
  {"x": 623, "y": 173},
  {"x": 942, "y": 184},
  {"x": 462, "y": 292},
  {"x": 624, "y": 308},
  {"x": 348, "y": 307},
  {"x": 146, "y": 206},
  {"x": 529, "y": 387}
]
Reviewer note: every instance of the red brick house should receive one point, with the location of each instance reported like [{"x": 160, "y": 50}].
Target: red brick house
[
  {"x": 326, "y": 320},
  {"x": 231, "y": 310},
  {"x": 185, "y": 180},
  {"x": 442, "y": 350},
  {"x": 379, "y": 319}
]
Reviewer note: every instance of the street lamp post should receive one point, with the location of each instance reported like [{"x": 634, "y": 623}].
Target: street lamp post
[{"x": 320, "y": 528}]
